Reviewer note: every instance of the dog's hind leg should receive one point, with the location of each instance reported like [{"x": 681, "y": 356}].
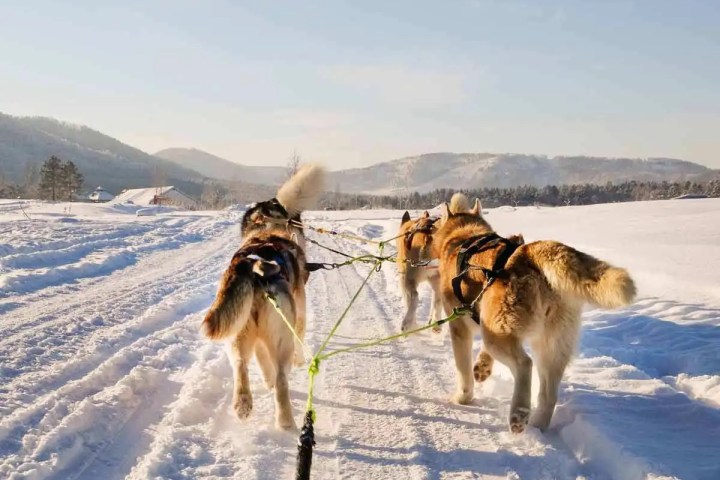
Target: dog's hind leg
[
  {"x": 551, "y": 357},
  {"x": 239, "y": 352},
  {"x": 283, "y": 409},
  {"x": 408, "y": 285},
  {"x": 483, "y": 366},
  {"x": 437, "y": 307},
  {"x": 462, "y": 339},
  {"x": 508, "y": 349},
  {"x": 299, "y": 326},
  {"x": 267, "y": 366}
]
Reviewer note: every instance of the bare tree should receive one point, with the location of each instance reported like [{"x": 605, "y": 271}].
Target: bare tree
[
  {"x": 31, "y": 179},
  {"x": 159, "y": 179},
  {"x": 293, "y": 163}
]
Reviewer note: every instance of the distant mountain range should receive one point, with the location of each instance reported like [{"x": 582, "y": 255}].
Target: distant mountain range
[
  {"x": 106, "y": 161},
  {"x": 427, "y": 172},
  {"x": 216, "y": 167}
]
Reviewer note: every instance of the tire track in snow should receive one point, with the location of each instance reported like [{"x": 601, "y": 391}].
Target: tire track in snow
[{"x": 48, "y": 360}]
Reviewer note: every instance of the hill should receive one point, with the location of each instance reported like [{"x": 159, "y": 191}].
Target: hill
[
  {"x": 103, "y": 160},
  {"x": 427, "y": 172},
  {"x": 220, "y": 168}
]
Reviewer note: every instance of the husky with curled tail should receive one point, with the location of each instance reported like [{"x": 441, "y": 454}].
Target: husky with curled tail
[
  {"x": 270, "y": 261},
  {"x": 518, "y": 293}
]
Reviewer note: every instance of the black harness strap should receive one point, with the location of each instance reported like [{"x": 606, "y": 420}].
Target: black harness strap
[
  {"x": 427, "y": 229},
  {"x": 470, "y": 247},
  {"x": 271, "y": 253}
]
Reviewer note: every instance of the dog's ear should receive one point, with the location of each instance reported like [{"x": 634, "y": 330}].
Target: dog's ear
[
  {"x": 426, "y": 214},
  {"x": 517, "y": 239},
  {"x": 477, "y": 209},
  {"x": 405, "y": 218},
  {"x": 445, "y": 211}
]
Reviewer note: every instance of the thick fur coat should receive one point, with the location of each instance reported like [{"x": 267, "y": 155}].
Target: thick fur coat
[
  {"x": 537, "y": 299},
  {"x": 270, "y": 261}
]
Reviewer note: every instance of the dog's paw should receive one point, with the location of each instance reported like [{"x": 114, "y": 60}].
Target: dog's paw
[
  {"x": 483, "y": 368},
  {"x": 519, "y": 419},
  {"x": 286, "y": 423},
  {"x": 407, "y": 326},
  {"x": 243, "y": 405},
  {"x": 540, "y": 420},
  {"x": 462, "y": 397}
]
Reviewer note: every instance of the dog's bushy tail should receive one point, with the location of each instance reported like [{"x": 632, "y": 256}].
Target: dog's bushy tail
[
  {"x": 571, "y": 272},
  {"x": 459, "y": 203},
  {"x": 303, "y": 189},
  {"x": 231, "y": 310}
]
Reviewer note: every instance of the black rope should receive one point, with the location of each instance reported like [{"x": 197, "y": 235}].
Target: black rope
[
  {"x": 314, "y": 242},
  {"x": 306, "y": 442}
]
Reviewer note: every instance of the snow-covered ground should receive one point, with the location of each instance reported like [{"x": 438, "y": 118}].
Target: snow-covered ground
[{"x": 103, "y": 374}]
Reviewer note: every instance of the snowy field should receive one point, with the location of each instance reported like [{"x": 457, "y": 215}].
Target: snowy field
[{"x": 103, "y": 374}]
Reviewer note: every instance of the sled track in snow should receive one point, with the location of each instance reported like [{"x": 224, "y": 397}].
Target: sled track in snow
[{"x": 107, "y": 377}]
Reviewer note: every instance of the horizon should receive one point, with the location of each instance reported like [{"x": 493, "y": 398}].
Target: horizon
[
  {"x": 404, "y": 157},
  {"x": 353, "y": 86}
]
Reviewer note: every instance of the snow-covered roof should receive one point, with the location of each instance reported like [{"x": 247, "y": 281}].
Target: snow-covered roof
[
  {"x": 100, "y": 195},
  {"x": 141, "y": 196},
  {"x": 145, "y": 196}
]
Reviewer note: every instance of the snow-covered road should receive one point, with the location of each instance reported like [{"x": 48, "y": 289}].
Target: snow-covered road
[{"x": 103, "y": 374}]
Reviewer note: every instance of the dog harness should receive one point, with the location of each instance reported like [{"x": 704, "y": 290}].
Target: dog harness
[
  {"x": 472, "y": 246},
  {"x": 270, "y": 253},
  {"x": 427, "y": 229}
]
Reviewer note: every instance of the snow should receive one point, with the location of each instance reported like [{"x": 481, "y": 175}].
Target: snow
[
  {"x": 147, "y": 196},
  {"x": 103, "y": 373}
]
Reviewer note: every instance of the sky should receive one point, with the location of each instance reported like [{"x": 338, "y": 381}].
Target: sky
[{"x": 350, "y": 84}]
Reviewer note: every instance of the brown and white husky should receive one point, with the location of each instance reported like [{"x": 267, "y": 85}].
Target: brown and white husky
[
  {"x": 271, "y": 260},
  {"x": 414, "y": 261},
  {"x": 535, "y": 294}
]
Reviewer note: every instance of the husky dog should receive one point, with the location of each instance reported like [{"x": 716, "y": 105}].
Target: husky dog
[
  {"x": 519, "y": 293},
  {"x": 415, "y": 247},
  {"x": 270, "y": 261},
  {"x": 298, "y": 194}
]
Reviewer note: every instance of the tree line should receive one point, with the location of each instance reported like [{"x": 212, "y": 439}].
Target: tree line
[
  {"x": 550, "y": 195},
  {"x": 59, "y": 180},
  {"x": 54, "y": 180}
]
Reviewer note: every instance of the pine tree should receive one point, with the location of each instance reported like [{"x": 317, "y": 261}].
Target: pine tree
[
  {"x": 51, "y": 179},
  {"x": 71, "y": 180}
]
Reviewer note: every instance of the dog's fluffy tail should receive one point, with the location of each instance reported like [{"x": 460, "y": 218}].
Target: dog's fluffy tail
[
  {"x": 459, "y": 203},
  {"x": 583, "y": 276},
  {"x": 303, "y": 189},
  {"x": 231, "y": 310}
]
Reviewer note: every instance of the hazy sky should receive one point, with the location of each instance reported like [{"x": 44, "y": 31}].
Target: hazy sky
[{"x": 356, "y": 83}]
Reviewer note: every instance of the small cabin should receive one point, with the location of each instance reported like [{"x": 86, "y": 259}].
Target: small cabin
[{"x": 100, "y": 195}]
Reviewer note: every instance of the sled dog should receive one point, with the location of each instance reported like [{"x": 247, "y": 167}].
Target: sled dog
[
  {"x": 414, "y": 261},
  {"x": 518, "y": 293},
  {"x": 270, "y": 261},
  {"x": 298, "y": 194}
]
